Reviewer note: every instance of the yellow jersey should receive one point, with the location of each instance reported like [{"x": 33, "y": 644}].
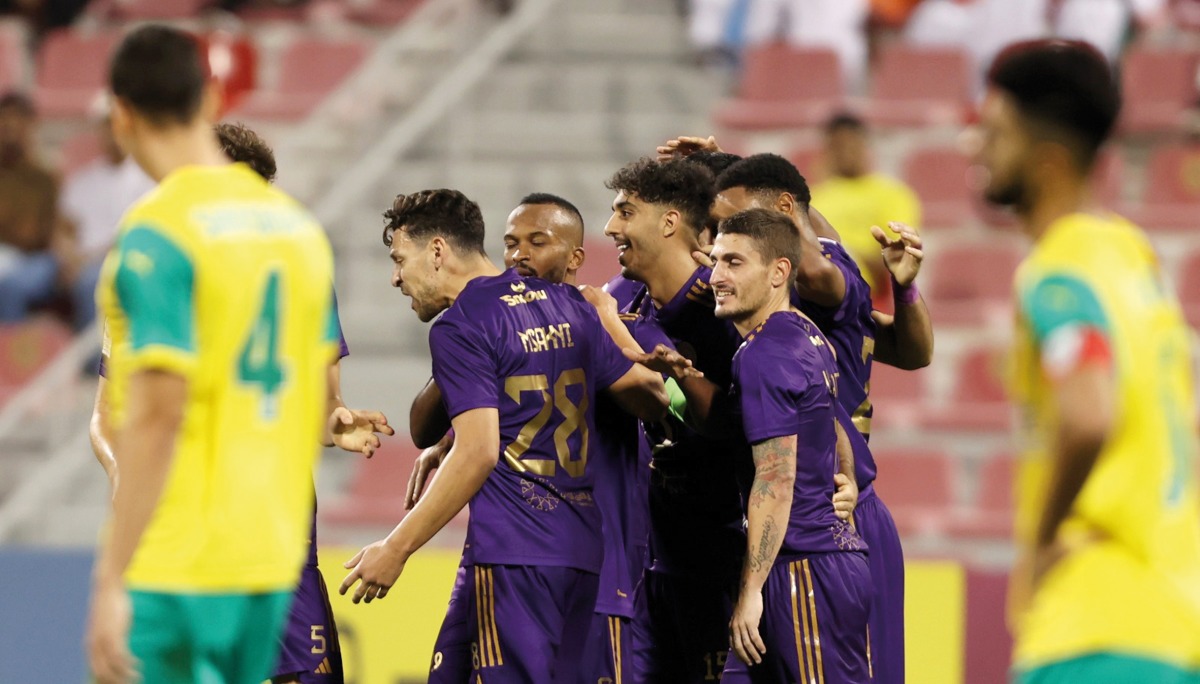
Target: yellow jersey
[
  {"x": 1130, "y": 583},
  {"x": 853, "y": 205},
  {"x": 220, "y": 278}
]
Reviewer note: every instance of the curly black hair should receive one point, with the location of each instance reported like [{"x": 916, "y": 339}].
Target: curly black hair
[
  {"x": 243, "y": 145},
  {"x": 678, "y": 184},
  {"x": 431, "y": 213},
  {"x": 766, "y": 173},
  {"x": 716, "y": 162}
]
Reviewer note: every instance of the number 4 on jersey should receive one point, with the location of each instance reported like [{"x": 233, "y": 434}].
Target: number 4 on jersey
[{"x": 259, "y": 363}]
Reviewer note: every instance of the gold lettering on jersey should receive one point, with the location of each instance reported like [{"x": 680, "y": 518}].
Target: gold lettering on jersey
[
  {"x": 868, "y": 348},
  {"x": 546, "y": 338},
  {"x": 817, "y": 340},
  {"x": 525, "y": 298}
]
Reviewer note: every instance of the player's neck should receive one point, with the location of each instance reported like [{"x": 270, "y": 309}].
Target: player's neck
[
  {"x": 671, "y": 274},
  {"x": 172, "y": 148},
  {"x": 1057, "y": 197},
  {"x": 779, "y": 301},
  {"x": 467, "y": 270}
]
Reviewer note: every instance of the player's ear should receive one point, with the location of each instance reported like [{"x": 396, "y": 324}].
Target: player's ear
[
  {"x": 786, "y": 203},
  {"x": 578, "y": 256},
  {"x": 437, "y": 249},
  {"x": 779, "y": 274},
  {"x": 670, "y": 222}
]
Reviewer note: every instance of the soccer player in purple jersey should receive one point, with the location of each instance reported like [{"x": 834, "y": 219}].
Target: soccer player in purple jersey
[
  {"x": 832, "y": 293},
  {"x": 519, "y": 363},
  {"x": 310, "y": 652},
  {"x": 805, "y": 593},
  {"x": 696, "y": 535}
]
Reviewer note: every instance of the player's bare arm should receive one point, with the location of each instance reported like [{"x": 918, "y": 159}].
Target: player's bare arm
[
  {"x": 817, "y": 279},
  {"x": 640, "y": 391},
  {"x": 99, "y": 434},
  {"x": 845, "y": 499},
  {"x": 767, "y": 512},
  {"x": 146, "y": 444},
  {"x": 429, "y": 461},
  {"x": 904, "y": 340},
  {"x": 427, "y": 419},
  {"x": 473, "y": 457},
  {"x": 352, "y": 430}
]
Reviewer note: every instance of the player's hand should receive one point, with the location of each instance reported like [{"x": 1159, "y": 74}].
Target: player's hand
[
  {"x": 685, "y": 145},
  {"x": 744, "y": 638},
  {"x": 429, "y": 460},
  {"x": 845, "y": 499},
  {"x": 357, "y": 431},
  {"x": 604, "y": 303},
  {"x": 702, "y": 256},
  {"x": 377, "y": 566},
  {"x": 903, "y": 255},
  {"x": 666, "y": 361},
  {"x": 108, "y": 636}
]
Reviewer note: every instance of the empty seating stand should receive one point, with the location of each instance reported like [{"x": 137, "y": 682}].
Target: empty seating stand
[
  {"x": 940, "y": 177},
  {"x": 783, "y": 86},
  {"x": 310, "y": 69},
  {"x": 1159, "y": 86},
  {"x": 72, "y": 71},
  {"x": 920, "y": 86},
  {"x": 1172, "y": 197}
]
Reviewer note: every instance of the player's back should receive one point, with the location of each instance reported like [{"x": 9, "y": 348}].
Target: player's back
[
  {"x": 224, "y": 280},
  {"x": 537, "y": 352},
  {"x": 1132, "y": 579}
]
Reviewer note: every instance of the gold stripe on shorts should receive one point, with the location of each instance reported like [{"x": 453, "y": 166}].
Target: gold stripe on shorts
[
  {"x": 798, "y": 617},
  {"x": 812, "y": 607}
]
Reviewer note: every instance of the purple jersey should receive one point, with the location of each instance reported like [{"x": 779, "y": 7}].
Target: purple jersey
[
  {"x": 622, "y": 464},
  {"x": 537, "y": 353},
  {"x": 851, "y": 330},
  {"x": 623, "y": 290},
  {"x": 695, "y": 492},
  {"x": 784, "y": 380}
]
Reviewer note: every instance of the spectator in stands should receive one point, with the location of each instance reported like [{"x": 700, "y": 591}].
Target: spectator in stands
[
  {"x": 28, "y": 213},
  {"x": 853, "y": 198},
  {"x": 93, "y": 201}
]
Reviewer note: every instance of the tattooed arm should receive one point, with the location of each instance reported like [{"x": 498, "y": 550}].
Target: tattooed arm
[{"x": 768, "y": 510}]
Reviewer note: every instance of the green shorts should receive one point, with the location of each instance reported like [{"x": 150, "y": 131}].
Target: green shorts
[
  {"x": 1107, "y": 668},
  {"x": 218, "y": 638}
]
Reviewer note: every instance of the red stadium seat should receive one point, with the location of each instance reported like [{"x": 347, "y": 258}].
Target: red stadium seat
[
  {"x": 899, "y": 396},
  {"x": 27, "y": 348},
  {"x": 940, "y": 177},
  {"x": 79, "y": 150},
  {"x": 1158, "y": 88},
  {"x": 992, "y": 514},
  {"x": 970, "y": 282},
  {"x": 783, "y": 86},
  {"x": 1189, "y": 288},
  {"x": 310, "y": 70},
  {"x": 1172, "y": 198},
  {"x": 600, "y": 265},
  {"x": 376, "y": 492},
  {"x": 1108, "y": 179},
  {"x": 140, "y": 10},
  {"x": 915, "y": 86},
  {"x": 71, "y": 71},
  {"x": 384, "y": 12},
  {"x": 917, "y": 487},
  {"x": 811, "y": 163},
  {"x": 979, "y": 402}
]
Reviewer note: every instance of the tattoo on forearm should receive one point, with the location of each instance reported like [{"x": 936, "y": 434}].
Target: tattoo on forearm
[
  {"x": 774, "y": 469},
  {"x": 763, "y": 555}
]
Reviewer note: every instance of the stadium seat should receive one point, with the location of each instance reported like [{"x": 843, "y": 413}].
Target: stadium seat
[
  {"x": 783, "y": 86},
  {"x": 28, "y": 347},
  {"x": 899, "y": 396},
  {"x": 79, "y": 150},
  {"x": 917, "y": 487},
  {"x": 920, "y": 86},
  {"x": 1158, "y": 87},
  {"x": 940, "y": 177},
  {"x": 376, "y": 492},
  {"x": 71, "y": 71},
  {"x": 811, "y": 163},
  {"x": 979, "y": 401},
  {"x": 1189, "y": 288},
  {"x": 384, "y": 12},
  {"x": 601, "y": 263},
  {"x": 1172, "y": 197},
  {"x": 969, "y": 282},
  {"x": 991, "y": 516},
  {"x": 1109, "y": 179},
  {"x": 141, "y": 10},
  {"x": 310, "y": 69}
]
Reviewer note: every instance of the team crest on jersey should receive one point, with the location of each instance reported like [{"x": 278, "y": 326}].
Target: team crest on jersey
[
  {"x": 537, "y": 495},
  {"x": 518, "y": 287}
]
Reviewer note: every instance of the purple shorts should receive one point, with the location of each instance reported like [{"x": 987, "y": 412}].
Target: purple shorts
[
  {"x": 814, "y": 622},
  {"x": 605, "y": 660},
  {"x": 524, "y": 624},
  {"x": 309, "y": 650},
  {"x": 452, "y": 651},
  {"x": 886, "y": 558},
  {"x": 680, "y": 628}
]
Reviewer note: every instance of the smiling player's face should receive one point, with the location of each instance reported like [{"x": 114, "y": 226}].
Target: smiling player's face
[{"x": 635, "y": 228}]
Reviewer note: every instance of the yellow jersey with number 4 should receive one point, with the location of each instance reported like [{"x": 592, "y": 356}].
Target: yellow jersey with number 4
[
  {"x": 1130, "y": 582},
  {"x": 222, "y": 279}
]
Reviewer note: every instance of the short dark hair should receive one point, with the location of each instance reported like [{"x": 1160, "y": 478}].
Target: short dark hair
[
  {"x": 547, "y": 198},
  {"x": 243, "y": 145},
  {"x": 845, "y": 120},
  {"x": 1065, "y": 88},
  {"x": 676, "y": 183},
  {"x": 430, "y": 213},
  {"x": 773, "y": 232},
  {"x": 158, "y": 71},
  {"x": 766, "y": 173},
  {"x": 19, "y": 102},
  {"x": 716, "y": 162}
]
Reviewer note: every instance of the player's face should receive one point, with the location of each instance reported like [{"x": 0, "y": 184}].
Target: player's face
[
  {"x": 635, "y": 227},
  {"x": 1003, "y": 151},
  {"x": 733, "y": 200},
  {"x": 414, "y": 272},
  {"x": 847, "y": 149},
  {"x": 535, "y": 244},
  {"x": 741, "y": 281}
]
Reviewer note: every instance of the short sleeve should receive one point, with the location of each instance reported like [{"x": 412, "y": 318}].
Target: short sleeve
[
  {"x": 333, "y": 329},
  {"x": 775, "y": 397},
  {"x": 463, "y": 366},
  {"x": 857, "y": 296},
  {"x": 1067, "y": 322},
  {"x": 154, "y": 284}
]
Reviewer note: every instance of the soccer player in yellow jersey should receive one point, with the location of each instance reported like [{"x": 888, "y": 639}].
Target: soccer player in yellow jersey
[
  {"x": 219, "y": 312},
  {"x": 1106, "y": 589}
]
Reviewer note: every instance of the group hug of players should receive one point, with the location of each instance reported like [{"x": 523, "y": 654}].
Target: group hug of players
[{"x": 660, "y": 471}]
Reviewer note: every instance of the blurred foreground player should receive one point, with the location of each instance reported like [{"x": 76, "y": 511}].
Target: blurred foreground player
[
  {"x": 519, "y": 363},
  {"x": 216, "y": 397},
  {"x": 1107, "y": 584}
]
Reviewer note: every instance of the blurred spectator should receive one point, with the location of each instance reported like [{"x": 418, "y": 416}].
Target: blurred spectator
[
  {"x": 28, "y": 213},
  {"x": 853, "y": 198},
  {"x": 93, "y": 201},
  {"x": 1105, "y": 24}
]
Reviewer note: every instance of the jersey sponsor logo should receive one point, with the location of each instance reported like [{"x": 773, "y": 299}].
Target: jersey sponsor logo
[{"x": 524, "y": 297}]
